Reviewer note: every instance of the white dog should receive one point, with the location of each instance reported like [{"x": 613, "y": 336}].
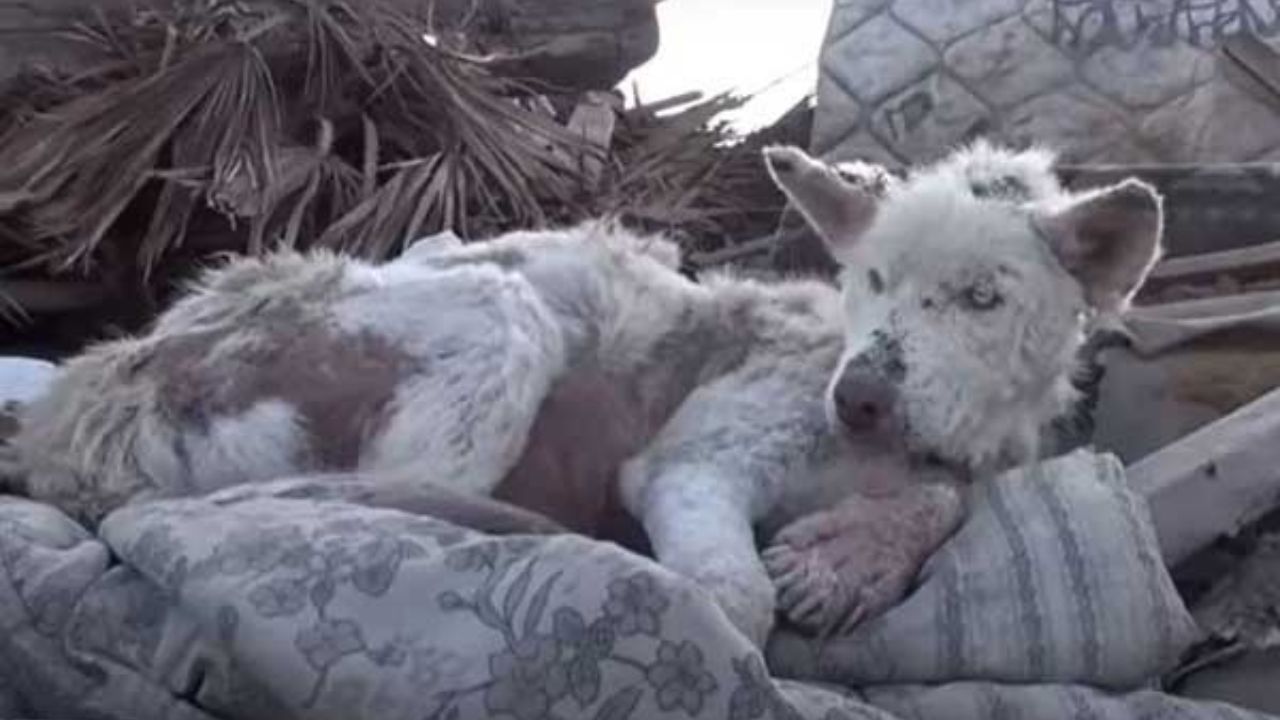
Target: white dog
[{"x": 577, "y": 372}]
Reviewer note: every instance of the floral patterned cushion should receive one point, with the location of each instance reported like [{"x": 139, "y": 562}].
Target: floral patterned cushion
[
  {"x": 283, "y": 601},
  {"x": 248, "y": 605}
]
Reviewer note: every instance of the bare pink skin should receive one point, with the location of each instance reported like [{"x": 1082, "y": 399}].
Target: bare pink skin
[{"x": 837, "y": 568}]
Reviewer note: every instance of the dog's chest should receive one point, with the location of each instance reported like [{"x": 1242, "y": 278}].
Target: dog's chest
[{"x": 587, "y": 426}]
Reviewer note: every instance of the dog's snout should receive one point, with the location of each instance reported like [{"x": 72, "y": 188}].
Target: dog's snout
[{"x": 863, "y": 400}]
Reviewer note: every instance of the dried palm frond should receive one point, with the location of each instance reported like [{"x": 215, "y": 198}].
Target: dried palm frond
[
  {"x": 688, "y": 172},
  {"x": 74, "y": 171},
  {"x": 190, "y": 128},
  {"x": 11, "y": 312},
  {"x": 206, "y": 109}
]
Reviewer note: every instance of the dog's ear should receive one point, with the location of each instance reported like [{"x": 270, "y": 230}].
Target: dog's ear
[
  {"x": 1108, "y": 239},
  {"x": 838, "y": 202}
]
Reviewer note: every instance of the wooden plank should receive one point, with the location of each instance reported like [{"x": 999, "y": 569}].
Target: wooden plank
[
  {"x": 49, "y": 296},
  {"x": 1189, "y": 266},
  {"x": 674, "y": 101},
  {"x": 1253, "y": 67},
  {"x": 594, "y": 120},
  {"x": 1215, "y": 481},
  {"x": 1208, "y": 308}
]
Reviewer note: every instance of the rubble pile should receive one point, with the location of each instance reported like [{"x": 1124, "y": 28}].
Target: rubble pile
[{"x": 184, "y": 131}]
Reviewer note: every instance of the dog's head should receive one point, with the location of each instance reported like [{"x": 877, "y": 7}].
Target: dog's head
[{"x": 968, "y": 289}]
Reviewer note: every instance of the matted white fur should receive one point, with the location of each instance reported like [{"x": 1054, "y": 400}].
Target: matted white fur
[
  {"x": 950, "y": 274},
  {"x": 434, "y": 368}
]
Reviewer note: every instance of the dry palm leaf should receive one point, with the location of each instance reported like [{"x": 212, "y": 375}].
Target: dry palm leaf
[
  {"x": 209, "y": 104},
  {"x": 202, "y": 126},
  {"x": 687, "y": 172}
]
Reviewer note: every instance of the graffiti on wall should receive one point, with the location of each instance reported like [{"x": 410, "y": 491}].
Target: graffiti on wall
[
  {"x": 901, "y": 117},
  {"x": 1085, "y": 25}
]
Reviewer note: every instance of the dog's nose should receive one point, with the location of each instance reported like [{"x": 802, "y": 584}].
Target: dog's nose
[{"x": 862, "y": 399}]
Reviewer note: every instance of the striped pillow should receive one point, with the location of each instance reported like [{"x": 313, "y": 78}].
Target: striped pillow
[{"x": 1056, "y": 576}]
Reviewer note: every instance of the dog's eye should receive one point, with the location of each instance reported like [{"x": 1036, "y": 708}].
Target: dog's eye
[
  {"x": 982, "y": 296},
  {"x": 875, "y": 280}
]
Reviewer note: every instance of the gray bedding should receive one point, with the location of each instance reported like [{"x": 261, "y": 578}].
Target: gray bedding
[{"x": 287, "y": 601}]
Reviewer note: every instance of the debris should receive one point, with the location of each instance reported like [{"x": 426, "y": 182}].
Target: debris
[
  {"x": 1246, "y": 603},
  {"x": 1213, "y": 482},
  {"x": 23, "y": 379},
  {"x": 45, "y": 296},
  {"x": 1226, "y": 272},
  {"x": 1239, "y": 661},
  {"x": 242, "y": 127},
  {"x": 1254, "y": 258},
  {"x": 594, "y": 119},
  {"x": 1248, "y": 680},
  {"x": 1183, "y": 365}
]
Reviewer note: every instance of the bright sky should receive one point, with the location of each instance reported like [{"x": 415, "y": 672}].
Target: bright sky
[{"x": 744, "y": 45}]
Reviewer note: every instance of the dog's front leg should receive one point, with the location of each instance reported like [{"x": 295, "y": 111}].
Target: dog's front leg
[
  {"x": 699, "y": 525},
  {"x": 720, "y": 465}
]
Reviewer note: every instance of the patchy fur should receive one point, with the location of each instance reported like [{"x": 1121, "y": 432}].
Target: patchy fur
[
  {"x": 533, "y": 367},
  {"x": 577, "y": 372},
  {"x": 951, "y": 270},
  {"x": 968, "y": 287}
]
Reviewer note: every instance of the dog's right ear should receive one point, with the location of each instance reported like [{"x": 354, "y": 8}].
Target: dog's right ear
[{"x": 838, "y": 205}]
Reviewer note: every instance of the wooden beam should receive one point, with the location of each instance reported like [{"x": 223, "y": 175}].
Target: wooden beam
[
  {"x": 49, "y": 296},
  {"x": 1190, "y": 266},
  {"x": 1215, "y": 481}
]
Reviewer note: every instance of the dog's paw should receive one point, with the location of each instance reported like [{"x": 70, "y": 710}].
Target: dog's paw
[
  {"x": 830, "y": 576},
  {"x": 835, "y": 569}
]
